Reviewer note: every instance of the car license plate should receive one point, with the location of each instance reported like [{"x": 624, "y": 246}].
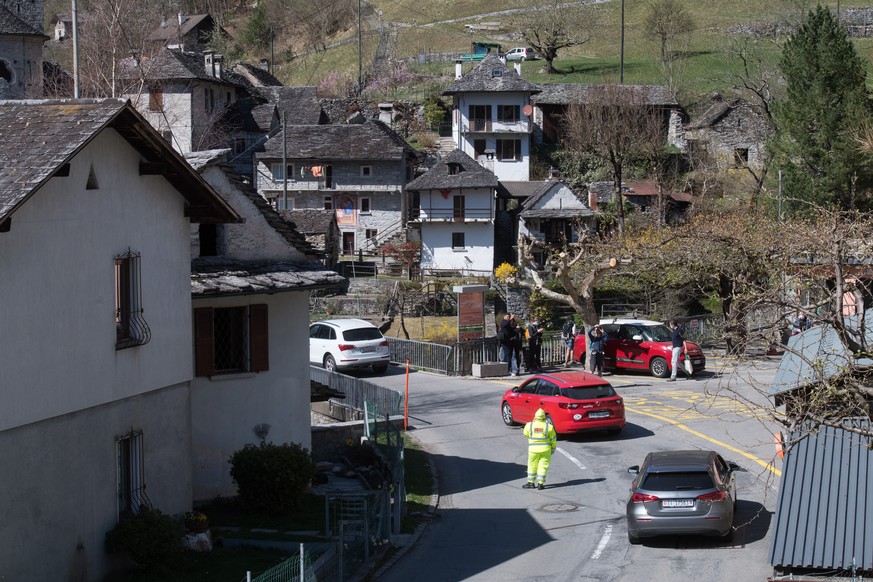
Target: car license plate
[
  {"x": 368, "y": 349},
  {"x": 599, "y": 414},
  {"x": 677, "y": 503}
]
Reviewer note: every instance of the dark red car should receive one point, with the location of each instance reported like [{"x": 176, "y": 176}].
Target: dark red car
[
  {"x": 574, "y": 401},
  {"x": 640, "y": 344}
]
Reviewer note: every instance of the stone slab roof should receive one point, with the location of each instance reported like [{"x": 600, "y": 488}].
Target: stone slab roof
[
  {"x": 519, "y": 189},
  {"x": 214, "y": 277},
  {"x": 577, "y": 93},
  {"x": 491, "y": 74},
  {"x": 300, "y": 104},
  {"x": 310, "y": 220},
  {"x": 468, "y": 173},
  {"x": 372, "y": 140},
  {"x": 713, "y": 114},
  {"x": 172, "y": 30},
  {"x": 12, "y": 25},
  {"x": 175, "y": 65},
  {"x": 40, "y": 137},
  {"x": 257, "y": 76}
]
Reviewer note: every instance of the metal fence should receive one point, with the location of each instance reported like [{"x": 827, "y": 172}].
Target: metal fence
[
  {"x": 383, "y": 401},
  {"x": 297, "y": 568}
]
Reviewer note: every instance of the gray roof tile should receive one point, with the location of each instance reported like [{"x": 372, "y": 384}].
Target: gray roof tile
[
  {"x": 176, "y": 65},
  {"x": 481, "y": 78},
  {"x": 211, "y": 277},
  {"x": 372, "y": 140},
  {"x": 310, "y": 220},
  {"x": 472, "y": 174},
  {"x": 12, "y": 25},
  {"x": 577, "y": 93}
]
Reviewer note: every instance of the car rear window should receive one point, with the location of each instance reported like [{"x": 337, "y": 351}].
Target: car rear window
[
  {"x": 362, "y": 334},
  {"x": 588, "y": 392},
  {"x": 683, "y": 481}
]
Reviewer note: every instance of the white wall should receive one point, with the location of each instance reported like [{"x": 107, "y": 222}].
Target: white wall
[
  {"x": 58, "y": 288},
  {"x": 226, "y": 408},
  {"x": 437, "y": 251}
]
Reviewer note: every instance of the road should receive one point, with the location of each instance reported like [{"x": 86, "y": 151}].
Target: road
[{"x": 488, "y": 528}]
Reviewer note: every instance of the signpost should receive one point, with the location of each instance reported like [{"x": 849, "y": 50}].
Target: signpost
[{"x": 471, "y": 311}]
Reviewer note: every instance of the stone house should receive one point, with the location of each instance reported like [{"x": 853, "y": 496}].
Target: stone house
[
  {"x": 250, "y": 286},
  {"x": 554, "y": 214},
  {"x": 731, "y": 133},
  {"x": 453, "y": 210},
  {"x": 21, "y": 39},
  {"x": 186, "y": 32},
  {"x": 320, "y": 229},
  {"x": 95, "y": 222},
  {"x": 491, "y": 117},
  {"x": 359, "y": 171}
]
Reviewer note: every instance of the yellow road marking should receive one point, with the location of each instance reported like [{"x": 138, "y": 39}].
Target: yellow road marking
[{"x": 765, "y": 464}]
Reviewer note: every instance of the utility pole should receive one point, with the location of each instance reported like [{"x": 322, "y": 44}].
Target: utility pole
[
  {"x": 284, "y": 164},
  {"x": 360, "y": 49},
  {"x": 75, "y": 50},
  {"x": 621, "y": 56}
]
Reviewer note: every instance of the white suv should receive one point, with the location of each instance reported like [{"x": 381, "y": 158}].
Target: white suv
[
  {"x": 522, "y": 54},
  {"x": 344, "y": 344}
]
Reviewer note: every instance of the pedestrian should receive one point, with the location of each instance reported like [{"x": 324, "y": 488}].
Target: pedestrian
[
  {"x": 568, "y": 336},
  {"x": 542, "y": 440},
  {"x": 801, "y": 323},
  {"x": 596, "y": 343},
  {"x": 679, "y": 347},
  {"x": 504, "y": 339},
  {"x": 515, "y": 346},
  {"x": 534, "y": 345}
]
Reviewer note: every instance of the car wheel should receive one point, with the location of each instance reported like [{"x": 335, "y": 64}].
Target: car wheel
[
  {"x": 550, "y": 421},
  {"x": 506, "y": 413},
  {"x": 658, "y": 367},
  {"x": 522, "y": 59},
  {"x": 634, "y": 540},
  {"x": 329, "y": 363},
  {"x": 380, "y": 368}
]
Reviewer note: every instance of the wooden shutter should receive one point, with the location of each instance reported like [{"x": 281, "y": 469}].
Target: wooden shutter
[
  {"x": 259, "y": 346},
  {"x": 204, "y": 342}
]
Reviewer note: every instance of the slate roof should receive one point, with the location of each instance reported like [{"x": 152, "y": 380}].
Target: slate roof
[
  {"x": 518, "y": 189},
  {"x": 529, "y": 209},
  {"x": 824, "y": 515},
  {"x": 175, "y": 65},
  {"x": 257, "y": 76},
  {"x": 12, "y": 25},
  {"x": 250, "y": 115},
  {"x": 212, "y": 276},
  {"x": 481, "y": 78},
  {"x": 372, "y": 140},
  {"x": 713, "y": 114},
  {"x": 300, "y": 104},
  {"x": 310, "y": 220},
  {"x": 172, "y": 31},
  {"x": 577, "y": 93},
  {"x": 40, "y": 137},
  {"x": 472, "y": 175},
  {"x": 815, "y": 354}
]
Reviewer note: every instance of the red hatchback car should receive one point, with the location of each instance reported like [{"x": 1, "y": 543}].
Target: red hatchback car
[
  {"x": 574, "y": 401},
  {"x": 640, "y": 344}
]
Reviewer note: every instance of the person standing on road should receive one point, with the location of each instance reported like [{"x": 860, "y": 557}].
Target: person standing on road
[
  {"x": 679, "y": 347},
  {"x": 542, "y": 440},
  {"x": 534, "y": 346},
  {"x": 504, "y": 339},
  {"x": 515, "y": 346},
  {"x": 568, "y": 335},
  {"x": 596, "y": 343}
]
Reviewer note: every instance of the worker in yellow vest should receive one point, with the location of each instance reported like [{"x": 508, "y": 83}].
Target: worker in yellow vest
[{"x": 542, "y": 440}]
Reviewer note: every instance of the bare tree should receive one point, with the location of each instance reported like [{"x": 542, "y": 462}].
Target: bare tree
[
  {"x": 555, "y": 26},
  {"x": 668, "y": 21}
]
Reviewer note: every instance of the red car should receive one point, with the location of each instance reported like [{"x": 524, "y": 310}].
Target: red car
[
  {"x": 574, "y": 401},
  {"x": 640, "y": 344}
]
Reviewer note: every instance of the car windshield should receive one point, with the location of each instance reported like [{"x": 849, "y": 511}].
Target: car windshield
[
  {"x": 588, "y": 392},
  {"x": 658, "y": 333},
  {"x": 362, "y": 334},
  {"x": 683, "y": 481}
]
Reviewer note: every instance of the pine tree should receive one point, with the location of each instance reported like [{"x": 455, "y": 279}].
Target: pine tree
[{"x": 824, "y": 106}]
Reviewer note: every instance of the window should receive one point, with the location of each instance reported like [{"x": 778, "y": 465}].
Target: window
[
  {"x": 130, "y": 327},
  {"x": 458, "y": 207},
  {"x": 328, "y": 176},
  {"x": 457, "y": 240},
  {"x": 208, "y": 235},
  {"x": 209, "y": 100},
  {"x": 480, "y": 117},
  {"x": 230, "y": 340},
  {"x": 328, "y": 203},
  {"x": 508, "y": 113},
  {"x": 167, "y": 135},
  {"x": 131, "y": 474},
  {"x": 454, "y": 168},
  {"x": 280, "y": 203},
  {"x": 156, "y": 99},
  {"x": 371, "y": 234},
  {"x": 509, "y": 149},
  {"x": 239, "y": 146},
  {"x": 479, "y": 146},
  {"x": 366, "y": 171},
  {"x": 365, "y": 205},
  {"x": 276, "y": 171},
  {"x": 741, "y": 157}
]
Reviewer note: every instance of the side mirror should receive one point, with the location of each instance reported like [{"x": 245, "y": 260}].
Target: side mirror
[
  {"x": 635, "y": 470},
  {"x": 515, "y": 389},
  {"x": 733, "y": 466}
]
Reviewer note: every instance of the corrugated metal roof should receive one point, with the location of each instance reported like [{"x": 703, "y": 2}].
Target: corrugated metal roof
[{"x": 824, "y": 516}]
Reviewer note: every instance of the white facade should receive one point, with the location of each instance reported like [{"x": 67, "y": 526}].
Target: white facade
[
  {"x": 68, "y": 394},
  {"x": 457, "y": 230},
  {"x": 493, "y": 129}
]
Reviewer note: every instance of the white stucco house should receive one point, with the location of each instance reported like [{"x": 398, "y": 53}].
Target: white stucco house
[
  {"x": 492, "y": 117},
  {"x": 453, "y": 210},
  {"x": 96, "y": 346},
  {"x": 250, "y": 285}
]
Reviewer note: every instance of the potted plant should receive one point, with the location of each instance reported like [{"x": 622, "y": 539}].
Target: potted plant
[{"x": 196, "y": 521}]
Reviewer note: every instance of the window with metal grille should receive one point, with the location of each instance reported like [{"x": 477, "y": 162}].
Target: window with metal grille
[
  {"x": 131, "y": 328},
  {"x": 131, "y": 474},
  {"x": 231, "y": 340}
]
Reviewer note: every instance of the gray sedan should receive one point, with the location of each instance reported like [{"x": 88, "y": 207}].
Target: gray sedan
[{"x": 682, "y": 492}]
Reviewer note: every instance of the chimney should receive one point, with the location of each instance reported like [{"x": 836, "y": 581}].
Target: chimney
[
  {"x": 592, "y": 200},
  {"x": 219, "y": 65},
  {"x": 182, "y": 18},
  {"x": 163, "y": 21},
  {"x": 265, "y": 65},
  {"x": 518, "y": 68},
  {"x": 209, "y": 63},
  {"x": 459, "y": 69}
]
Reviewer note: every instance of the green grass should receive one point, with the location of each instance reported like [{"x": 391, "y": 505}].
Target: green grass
[{"x": 230, "y": 513}]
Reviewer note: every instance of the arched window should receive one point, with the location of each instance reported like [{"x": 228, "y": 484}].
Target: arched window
[{"x": 6, "y": 72}]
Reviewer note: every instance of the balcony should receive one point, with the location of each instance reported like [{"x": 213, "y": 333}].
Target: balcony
[
  {"x": 425, "y": 214},
  {"x": 490, "y": 126}
]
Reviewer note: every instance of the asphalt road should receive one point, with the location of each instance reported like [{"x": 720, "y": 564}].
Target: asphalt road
[{"x": 488, "y": 528}]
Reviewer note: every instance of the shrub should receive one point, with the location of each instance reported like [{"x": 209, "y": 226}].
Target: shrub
[
  {"x": 271, "y": 478},
  {"x": 150, "y": 537}
]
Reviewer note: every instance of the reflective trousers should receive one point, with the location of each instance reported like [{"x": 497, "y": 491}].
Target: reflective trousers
[{"x": 538, "y": 465}]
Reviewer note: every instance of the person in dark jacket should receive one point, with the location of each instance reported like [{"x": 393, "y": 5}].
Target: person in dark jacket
[
  {"x": 504, "y": 339},
  {"x": 596, "y": 343},
  {"x": 516, "y": 347},
  {"x": 534, "y": 345}
]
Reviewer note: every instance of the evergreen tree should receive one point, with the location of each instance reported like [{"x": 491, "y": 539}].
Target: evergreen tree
[{"x": 825, "y": 104}]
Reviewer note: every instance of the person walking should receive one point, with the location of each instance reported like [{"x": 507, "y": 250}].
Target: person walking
[
  {"x": 542, "y": 440},
  {"x": 515, "y": 346},
  {"x": 504, "y": 339},
  {"x": 596, "y": 343},
  {"x": 679, "y": 347},
  {"x": 568, "y": 336},
  {"x": 534, "y": 345}
]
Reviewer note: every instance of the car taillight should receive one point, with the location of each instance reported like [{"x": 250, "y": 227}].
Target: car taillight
[
  {"x": 643, "y": 497},
  {"x": 344, "y": 347},
  {"x": 568, "y": 405},
  {"x": 715, "y": 496},
  {"x": 384, "y": 344}
]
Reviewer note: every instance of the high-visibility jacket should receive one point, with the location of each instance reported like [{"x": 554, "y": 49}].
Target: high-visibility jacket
[{"x": 541, "y": 436}]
